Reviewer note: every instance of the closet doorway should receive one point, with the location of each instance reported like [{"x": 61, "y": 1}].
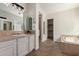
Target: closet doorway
[
  {"x": 50, "y": 28},
  {"x": 40, "y": 28}
]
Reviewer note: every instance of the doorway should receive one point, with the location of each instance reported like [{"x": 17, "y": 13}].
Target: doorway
[
  {"x": 40, "y": 28},
  {"x": 50, "y": 28}
]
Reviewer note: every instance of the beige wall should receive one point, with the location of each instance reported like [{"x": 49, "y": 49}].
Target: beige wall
[
  {"x": 30, "y": 11},
  {"x": 65, "y": 22},
  {"x": 33, "y": 9},
  {"x": 44, "y": 36}
]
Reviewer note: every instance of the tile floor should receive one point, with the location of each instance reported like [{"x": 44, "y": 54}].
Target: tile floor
[{"x": 47, "y": 48}]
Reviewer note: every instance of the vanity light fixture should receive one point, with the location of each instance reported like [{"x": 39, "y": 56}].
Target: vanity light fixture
[
  {"x": 3, "y": 17},
  {"x": 18, "y": 7}
]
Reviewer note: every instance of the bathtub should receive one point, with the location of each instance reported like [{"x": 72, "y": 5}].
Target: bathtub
[{"x": 69, "y": 45}]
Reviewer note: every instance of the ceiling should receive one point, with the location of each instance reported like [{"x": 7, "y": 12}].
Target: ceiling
[
  {"x": 10, "y": 9},
  {"x": 56, "y": 7},
  {"x": 48, "y": 8}
]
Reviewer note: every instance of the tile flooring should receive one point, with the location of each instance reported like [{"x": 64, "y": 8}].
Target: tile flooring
[{"x": 47, "y": 48}]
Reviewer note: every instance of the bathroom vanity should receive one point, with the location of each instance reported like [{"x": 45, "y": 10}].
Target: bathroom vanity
[
  {"x": 11, "y": 43},
  {"x": 16, "y": 45}
]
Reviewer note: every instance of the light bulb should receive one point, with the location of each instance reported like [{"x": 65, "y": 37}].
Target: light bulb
[{"x": 7, "y": 4}]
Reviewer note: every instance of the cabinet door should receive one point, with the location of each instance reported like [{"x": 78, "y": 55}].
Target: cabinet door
[
  {"x": 8, "y": 48},
  {"x": 31, "y": 43},
  {"x": 1, "y": 25},
  {"x": 22, "y": 46}
]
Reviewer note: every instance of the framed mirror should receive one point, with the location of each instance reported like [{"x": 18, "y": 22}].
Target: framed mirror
[{"x": 6, "y": 25}]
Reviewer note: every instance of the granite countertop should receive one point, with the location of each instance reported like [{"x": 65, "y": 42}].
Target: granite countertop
[{"x": 13, "y": 37}]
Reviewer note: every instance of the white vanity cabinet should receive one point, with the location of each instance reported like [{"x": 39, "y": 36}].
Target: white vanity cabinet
[
  {"x": 8, "y": 48},
  {"x": 25, "y": 45},
  {"x": 17, "y": 47},
  {"x": 22, "y": 46},
  {"x": 31, "y": 43}
]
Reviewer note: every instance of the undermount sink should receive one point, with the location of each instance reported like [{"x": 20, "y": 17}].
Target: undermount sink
[{"x": 19, "y": 35}]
